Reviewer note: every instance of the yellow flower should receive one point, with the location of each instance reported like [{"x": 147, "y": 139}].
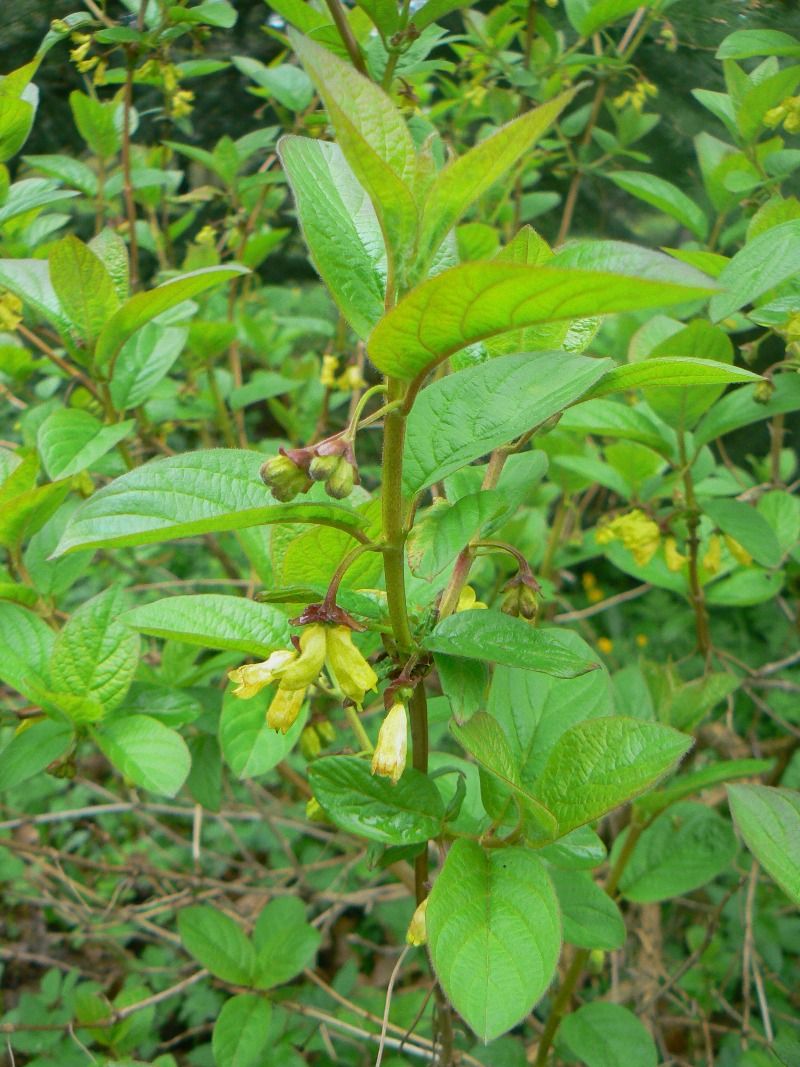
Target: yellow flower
[
  {"x": 88, "y": 64},
  {"x": 468, "y": 600},
  {"x": 673, "y": 558},
  {"x": 330, "y": 365},
  {"x": 417, "y": 929},
  {"x": 79, "y": 53},
  {"x": 10, "y": 311},
  {"x": 712, "y": 560},
  {"x": 642, "y": 640},
  {"x": 351, "y": 378},
  {"x": 606, "y": 645},
  {"x": 739, "y": 552},
  {"x": 285, "y": 708},
  {"x": 181, "y": 104},
  {"x": 389, "y": 757},
  {"x": 252, "y": 678},
  {"x": 638, "y": 533},
  {"x": 301, "y": 672},
  {"x": 347, "y": 665}
]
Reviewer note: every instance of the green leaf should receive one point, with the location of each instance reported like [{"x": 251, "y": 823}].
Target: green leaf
[
  {"x": 141, "y": 748},
  {"x": 665, "y": 196},
  {"x": 696, "y": 781},
  {"x": 290, "y": 85},
  {"x": 744, "y": 44},
  {"x": 686, "y": 846},
  {"x": 27, "y": 642},
  {"x": 22, "y": 515},
  {"x": 763, "y": 263},
  {"x": 475, "y": 301},
  {"x": 383, "y": 13},
  {"x": 741, "y": 408},
  {"x": 747, "y": 526},
  {"x": 217, "y": 943},
  {"x": 144, "y": 360},
  {"x": 670, "y": 372},
  {"x": 768, "y": 819},
  {"x": 83, "y": 286},
  {"x": 16, "y": 122},
  {"x": 483, "y": 737},
  {"x": 605, "y": 418},
  {"x": 467, "y": 177},
  {"x": 466, "y": 415},
  {"x": 30, "y": 194},
  {"x": 241, "y": 1031},
  {"x": 213, "y": 620},
  {"x": 29, "y": 279},
  {"x": 601, "y": 1034},
  {"x": 599, "y": 764},
  {"x": 143, "y": 307},
  {"x": 99, "y": 123},
  {"x": 440, "y": 534},
  {"x": 250, "y": 747},
  {"x": 588, "y": 16},
  {"x": 180, "y": 496},
  {"x": 340, "y": 227},
  {"x": 95, "y": 654},
  {"x": 491, "y": 635},
  {"x": 591, "y": 918},
  {"x": 70, "y": 441},
  {"x": 433, "y": 10},
  {"x": 372, "y": 807},
  {"x": 493, "y": 934},
  {"x": 285, "y": 942},
  {"x": 373, "y": 137},
  {"x": 210, "y": 12},
  {"x": 761, "y": 95},
  {"x": 32, "y": 750}
]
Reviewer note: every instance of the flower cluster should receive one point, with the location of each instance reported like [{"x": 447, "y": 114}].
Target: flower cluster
[
  {"x": 320, "y": 644},
  {"x": 787, "y": 113},
  {"x": 350, "y": 380},
  {"x": 637, "y": 96},
  {"x": 637, "y": 531},
  {"x": 332, "y": 461}
]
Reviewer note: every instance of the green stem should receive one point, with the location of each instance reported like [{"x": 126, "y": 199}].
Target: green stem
[
  {"x": 363, "y": 400},
  {"x": 345, "y": 32},
  {"x": 696, "y": 594},
  {"x": 358, "y": 729},
  {"x": 393, "y": 527}
]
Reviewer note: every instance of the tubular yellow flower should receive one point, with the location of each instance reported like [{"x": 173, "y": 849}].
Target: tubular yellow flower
[
  {"x": 389, "y": 757},
  {"x": 739, "y": 552},
  {"x": 330, "y": 366},
  {"x": 305, "y": 669},
  {"x": 673, "y": 558},
  {"x": 417, "y": 929},
  {"x": 285, "y": 708},
  {"x": 252, "y": 678},
  {"x": 348, "y": 666},
  {"x": 638, "y": 533},
  {"x": 468, "y": 600},
  {"x": 712, "y": 560}
]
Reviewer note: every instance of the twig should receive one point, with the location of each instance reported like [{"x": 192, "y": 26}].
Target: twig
[
  {"x": 604, "y": 605},
  {"x": 387, "y": 1005}
]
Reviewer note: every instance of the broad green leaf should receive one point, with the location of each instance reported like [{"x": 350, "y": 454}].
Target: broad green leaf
[
  {"x": 22, "y": 515},
  {"x": 112, "y": 251},
  {"x": 288, "y": 84},
  {"x": 372, "y": 807},
  {"x": 340, "y": 227},
  {"x": 285, "y": 942},
  {"x": 601, "y": 1034},
  {"x": 588, "y": 16},
  {"x": 582, "y": 849},
  {"x": 493, "y": 934},
  {"x": 218, "y": 943},
  {"x": 384, "y": 13},
  {"x": 535, "y": 709},
  {"x": 16, "y": 122},
  {"x": 763, "y": 263},
  {"x": 249, "y": 746},
  {"x": 32, "y": 749},
  {"x": 475, "y": 301},
  {"x": 99, "y": 123},
  {"x": 746, "y": 587},
  {"x": 601, "y": 763},
  {"x": 665, "y": 196},
  {"x": 71, "y": 441},
  {"x": 83, "y": 286},
  {"x": 29, "y": 279},
  {"x": 144, "y": 307},
  {"x": 50, "y": 577},
  {"x": 151, "y": 755},
  {"x": 696, "y": 781},
  {"x": 144, "y": 360},
  {"x": 96, "y": 655},
  {"x": 606, "y": 418},
  {"x": 211, "y": 12},
  {"x": 213, "y": 620},
  {"x": 742, "y": 408},
  {"x": 467, "y": 177},
  {"x": 768, "y": 819},
  {"x": 198, "y": 492},
  {"x": 432, "y": 10},
  {"x": 483, "y": 737},
  {"x": 439, "y": 535},
  {"x": 686, "y": 846},
  {"x": 744, "y": 44},
  {"x": 30, "y": 194},
  {"x": 591, "y": 918},
  {"x": 466, "y": 415},
  {"x": 241, "y": 1031},
  {"x": 27, "y": 642},
  {"x": 465, "y": 683},
  {"x": 373, "y": 137},
  {"x": 491, "y": 635},
  {"x": 747, "y": 526},
  {"x": 762, "y": 95},
  {"x": 669, "y": 372}
]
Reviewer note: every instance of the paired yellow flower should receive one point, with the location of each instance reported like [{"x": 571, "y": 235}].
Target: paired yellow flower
[
  {"x": 417, "y": 933},
  {"x": 320, "y": 645},
  {"x": 389, "y": 757},
  {"x": 468, "y": 600},
  {"x": 637, "y": 531},
  {"x": 673, "y": 557}
]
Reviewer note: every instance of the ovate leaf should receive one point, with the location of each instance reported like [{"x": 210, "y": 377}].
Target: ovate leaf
[
  {"x": 71, "y": 441},
  {"x": 241, "y": 1032},
  {"x": 675, "y": 373},
  {"x": 83, "y": 286},
  {"x": 591, "y": 918},
  {"x": 33, "y": 749},
  {"x": 494, "y": 934},
  {"x": 763, "y": 263},
  {"x": 285, "y": 942},
  {"x": 606, "y": 1035},
  {"x": 213, "y": 621},
  {"x": 665, "y": 196},
  {"x": 218, "y": 943},
  {"x": 198, "y": 492},
  {"x": 768, "y": 819},
  {"x": 151, "y": 755}
]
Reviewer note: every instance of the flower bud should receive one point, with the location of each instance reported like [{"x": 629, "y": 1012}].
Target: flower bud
[
  {"x": 310, "y": 744},
  {"x": 322, "y": 467},
  {"x": 520, "y": 600},
  {"x": 417, "y": 933},
  {"x": 284, "y": 709},
  {"x": 326, "y": 731},
  {"x": 341, "y": 481},
  {"x": 284, "y": 477},
  {"x": 712, "y": 560},
  {"x": 389, "y": 757},
  {"x": 762, "y": 394},
  {"x": 352, "y": 672}
]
